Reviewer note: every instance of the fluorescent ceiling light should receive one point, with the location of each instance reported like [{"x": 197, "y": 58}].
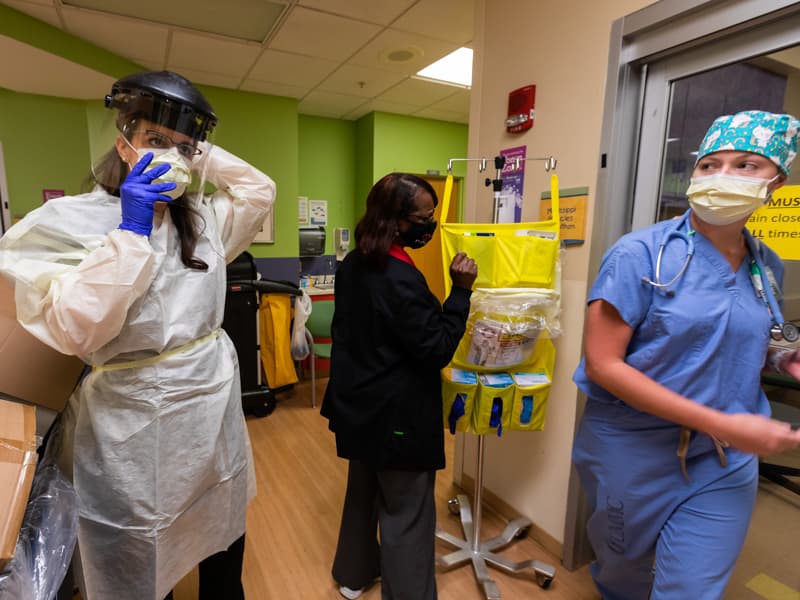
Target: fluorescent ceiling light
[{"x": 455, "y": 68}]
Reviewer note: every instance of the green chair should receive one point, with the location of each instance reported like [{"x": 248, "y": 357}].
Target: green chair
[{"x": 318, "y": 334}]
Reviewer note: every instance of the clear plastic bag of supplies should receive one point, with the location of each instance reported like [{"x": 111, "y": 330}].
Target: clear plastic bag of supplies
[
  {"x": 504, "y": 325},
  {"x": 47, "y": 537},
  {"x": 302, "y": 308}
]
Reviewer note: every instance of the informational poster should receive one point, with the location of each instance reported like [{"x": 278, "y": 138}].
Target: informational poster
[
  {"x": 266, "y": 235},
  {"x": 777, "y": 223},
  {"x": 50, "y": 194},
  {"x": 302, "y": 210},
  {"x": 513, "y": 175},
  {"x": 317, "y": 212},
  {"x": 572, "y": 204}
]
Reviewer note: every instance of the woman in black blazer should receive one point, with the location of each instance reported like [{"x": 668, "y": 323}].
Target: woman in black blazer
[{"x": 391, "y": 337}]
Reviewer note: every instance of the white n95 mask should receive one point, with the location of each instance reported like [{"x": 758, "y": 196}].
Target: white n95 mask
[
  {"x": 179, "y": 170},
  {"x": 721, "y": 199}
]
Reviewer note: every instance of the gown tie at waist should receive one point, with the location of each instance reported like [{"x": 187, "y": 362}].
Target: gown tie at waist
[{"x": 132, "y": 364}]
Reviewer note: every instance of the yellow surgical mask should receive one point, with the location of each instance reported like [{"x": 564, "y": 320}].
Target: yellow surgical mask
[{"x": 721, "y": 199}]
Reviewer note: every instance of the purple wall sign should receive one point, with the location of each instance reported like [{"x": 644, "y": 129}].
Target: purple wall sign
[{"x": 513, "y": 177}]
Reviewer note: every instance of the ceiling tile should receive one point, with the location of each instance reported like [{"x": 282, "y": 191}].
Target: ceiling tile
[
  {"x": 44, "y": 11},
  {"x": 326, "y": 104},
  {"x": 442, "y": 115},
  {"x": 424, "y": 50},
  {"x": 206, "y": 78},
  {"x": 50, "y": 3},
  {"x": 443, "y": 19},
  {"x": 381, "y": 106},
  {"x": 458, "y": 101},
  {"x": 318, "y": 34},
  {"x": 149, "y": 65},
  {"x": 238, "y": 19},
  {"x": 360, "y": 81},
  {"x": 273, "y": 89},
  {"x": 35, "y": 71},
  {"x": 130, "y": 38},
  {"x": 339, "y": 58},
  {"x": 211, "y": 54},
  {"x": 417, "y": 91},
  {"x": 382, "y": 12},
  {"x": 291, "y": 69}
]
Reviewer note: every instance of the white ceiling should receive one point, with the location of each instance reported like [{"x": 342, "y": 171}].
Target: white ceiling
[{"x": 340, "y": 58}]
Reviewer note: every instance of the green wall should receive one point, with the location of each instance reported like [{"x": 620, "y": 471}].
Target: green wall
[
  {"x": 398, "y": 143},
  {"x": 263, "y": 130},
  {"x": 341, "y": 160},
  {"x": 413, "y": 145},
  {"x": 45, "y": 146},
  {"x": 327, "y": 158}
]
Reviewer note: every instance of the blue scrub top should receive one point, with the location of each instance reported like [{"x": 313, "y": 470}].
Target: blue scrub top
[{"x": 708, "y": 342}]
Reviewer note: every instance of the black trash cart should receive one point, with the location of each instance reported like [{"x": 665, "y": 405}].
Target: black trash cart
[{"x": 240, "y": 321}]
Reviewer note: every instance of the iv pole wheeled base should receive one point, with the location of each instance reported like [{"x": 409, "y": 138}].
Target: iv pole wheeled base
[{"x": 479, "y": 553}]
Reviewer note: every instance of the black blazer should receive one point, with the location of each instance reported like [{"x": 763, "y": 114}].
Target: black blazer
[{"x": 391, "y": 337}]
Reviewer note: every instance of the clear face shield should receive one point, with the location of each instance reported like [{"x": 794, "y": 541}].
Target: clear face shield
[{"x": 174, "y": 133}]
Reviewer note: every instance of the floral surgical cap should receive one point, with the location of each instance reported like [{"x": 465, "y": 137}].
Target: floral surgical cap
[{"x": 770, "y": 135}]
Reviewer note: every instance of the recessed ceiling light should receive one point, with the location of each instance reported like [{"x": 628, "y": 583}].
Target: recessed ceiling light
[
  {"x": 401, "y": 55},
  {"x": 455, "y": 68}
]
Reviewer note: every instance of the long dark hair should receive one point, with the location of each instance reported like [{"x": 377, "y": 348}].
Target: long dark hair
[
  {"x": 392, "y": 198},
  {"x": 109, "y": 174}
]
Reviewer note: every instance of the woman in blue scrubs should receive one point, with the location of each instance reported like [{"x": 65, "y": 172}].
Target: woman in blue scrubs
[{"x": 675, "y": 417}]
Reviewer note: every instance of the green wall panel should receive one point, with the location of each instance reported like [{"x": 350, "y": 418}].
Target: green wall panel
[
  {"x": 413, "y": 145},
  {"x": 327, "y": 158},
  {"x": 365, "y": 151},
  {"x": 263, "y": 130},
  {"x": 45, "y": 146}
]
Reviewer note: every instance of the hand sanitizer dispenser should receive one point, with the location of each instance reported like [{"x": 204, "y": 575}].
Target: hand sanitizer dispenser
[{"x": 341, "y": 242}]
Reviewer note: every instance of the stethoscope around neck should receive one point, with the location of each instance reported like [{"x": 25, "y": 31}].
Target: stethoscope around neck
[{"x": 780, "y": 330}]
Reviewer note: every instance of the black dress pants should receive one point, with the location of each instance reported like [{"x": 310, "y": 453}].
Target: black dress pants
[{"x": 400, "y": 505}]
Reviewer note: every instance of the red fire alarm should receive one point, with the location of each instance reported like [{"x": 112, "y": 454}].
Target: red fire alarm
[{"x": 520, "y": 109}]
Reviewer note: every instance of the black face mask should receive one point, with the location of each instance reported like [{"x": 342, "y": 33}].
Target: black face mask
[{"x": 418, "y": 234}]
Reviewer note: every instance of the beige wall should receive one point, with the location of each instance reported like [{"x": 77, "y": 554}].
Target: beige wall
[{"x": 561, "y": 47}]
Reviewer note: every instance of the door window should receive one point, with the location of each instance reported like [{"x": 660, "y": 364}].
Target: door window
[{"x": 695, "y": 102}]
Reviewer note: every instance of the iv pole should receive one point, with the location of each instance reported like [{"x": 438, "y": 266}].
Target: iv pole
[{"x": 471, "y": 548}]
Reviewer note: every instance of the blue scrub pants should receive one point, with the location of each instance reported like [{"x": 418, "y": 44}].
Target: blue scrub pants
[{"x": 654, "y": 534}]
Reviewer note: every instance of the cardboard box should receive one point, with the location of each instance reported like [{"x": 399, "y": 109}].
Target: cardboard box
[
  {"x": 17, "y": 466},
  {"x": 30, "y": 370}
]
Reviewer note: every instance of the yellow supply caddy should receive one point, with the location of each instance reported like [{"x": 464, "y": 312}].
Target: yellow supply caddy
[
  {"x": 493, "y": 403},
  {"x": 501, "y": 337},
  {"x": 458, "y": 393},
  {"x": 531, "y": 390}
]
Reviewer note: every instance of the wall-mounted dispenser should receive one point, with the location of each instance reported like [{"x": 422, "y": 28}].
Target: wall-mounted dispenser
[
  {"x": 341, "y": 242},
  {"x": 312, "y": 241}
]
